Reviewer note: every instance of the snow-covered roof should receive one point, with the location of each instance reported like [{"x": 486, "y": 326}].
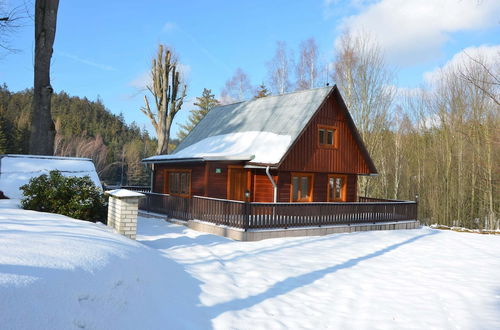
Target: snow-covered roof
[
  {"x": 17, "y": 170},
  {"x": 124, "y": 193},
  {"x": 260, "y": 130},
  {"x": 258, "y": 147}
]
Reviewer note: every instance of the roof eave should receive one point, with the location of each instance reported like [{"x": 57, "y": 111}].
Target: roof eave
[{"x": 197, "y": 159}]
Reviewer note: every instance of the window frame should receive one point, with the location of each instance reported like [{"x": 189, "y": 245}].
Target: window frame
[
  {"x": 166, "y": 188},
  {"x": 343, "y": 191},
  {"x": 311, "y": 187},
  {"x": 326, "y": 129}
]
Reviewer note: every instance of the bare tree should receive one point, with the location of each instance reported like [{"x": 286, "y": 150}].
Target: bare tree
[
  {"x": 307, "y": 71},
  {"x": 489, "y": 83},
  {"x": 10, "y": 20},
  {"x": 279, "y": 69},
  {"x": 164, "y": 86},
  {"x": 365, "y": 82},
  {"x": 237, "y": 88},
  {"x": 42, "y": 126}
]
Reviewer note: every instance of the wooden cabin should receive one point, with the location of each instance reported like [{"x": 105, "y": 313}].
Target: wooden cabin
[{"x": 295, "y": 147}]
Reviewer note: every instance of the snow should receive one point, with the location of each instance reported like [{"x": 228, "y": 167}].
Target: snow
[
  {"x": 259, "y": 147},
  {"x": 59, "y": 273},
  {"x": 120, "y": 193},
  {"x": 399, "y": 279},
  {"x": 17, "y": 170}
]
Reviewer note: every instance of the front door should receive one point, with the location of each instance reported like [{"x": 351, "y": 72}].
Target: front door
[{"x": 237, "y": 183}]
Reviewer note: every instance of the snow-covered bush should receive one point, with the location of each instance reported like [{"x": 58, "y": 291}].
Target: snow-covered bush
[{"x": 72, "y": 196}]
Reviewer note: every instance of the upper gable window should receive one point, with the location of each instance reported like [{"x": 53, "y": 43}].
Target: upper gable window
[{"x": 327, "y": 136}]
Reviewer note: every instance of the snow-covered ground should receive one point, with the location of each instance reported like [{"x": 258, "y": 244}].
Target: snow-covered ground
[
  {"x": 417, "y": 279},
  {"x": 61, "y": 273},
  {"x": 58, "y": 273}
]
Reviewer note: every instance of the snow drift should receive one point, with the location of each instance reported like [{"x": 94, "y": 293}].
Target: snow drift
[{"x": 61, "y": 273}]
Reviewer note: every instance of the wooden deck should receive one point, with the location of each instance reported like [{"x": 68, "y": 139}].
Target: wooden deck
[{"x": 243, "y": 215}]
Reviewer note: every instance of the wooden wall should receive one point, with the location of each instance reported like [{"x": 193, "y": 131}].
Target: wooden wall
[
  {"x": 216, "y": 182},
  {"x": 306, "y": 156},
  {"x": 320, "y": 188},
  {"x": 262, "y": 188},
  {"x": 197, "y": 177}
]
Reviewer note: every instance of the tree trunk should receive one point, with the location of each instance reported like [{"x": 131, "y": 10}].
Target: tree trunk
[{"x": 42, "y": 127}]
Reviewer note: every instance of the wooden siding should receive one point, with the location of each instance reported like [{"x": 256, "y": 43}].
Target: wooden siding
[
  {"x": 320, "y": 188},
  {"x": 197, "y": 176},
  {"x": 352, "y": 188},
  {"x": 284, "y": 183},
  {"x": 216, "y": 182},
  {"x": 262, "y": 188},
  {"x": 305, "y": 154}
]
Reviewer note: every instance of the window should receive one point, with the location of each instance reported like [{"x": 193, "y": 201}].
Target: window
[
  {"x": 179, "y": 182},
  {"x": 337, "y": 188},
  {"x": 301, "y": 187},
  {"x": 327, "y": 136}
]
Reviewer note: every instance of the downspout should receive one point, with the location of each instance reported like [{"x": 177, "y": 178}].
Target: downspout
[{"x": 275, "y": 187}]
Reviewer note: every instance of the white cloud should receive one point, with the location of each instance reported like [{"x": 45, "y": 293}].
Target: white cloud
[
  {"x": 413, "y": 31},
  {"x": 87, "y": 62},
  {"x": 487, "y": 53},
  {"x": 169, "y": 26},
  {"x": 141, "y": 81}
]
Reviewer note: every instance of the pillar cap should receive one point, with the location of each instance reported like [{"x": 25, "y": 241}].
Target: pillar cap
[{"x": 124, "y": 193}]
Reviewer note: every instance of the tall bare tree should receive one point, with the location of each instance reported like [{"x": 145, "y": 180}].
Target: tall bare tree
[
  {"x": 307, "y": 69},
  {"x": 490, "y": 82},
  {"x": 279, "y": 69},
  {"x": 168, "y": 93},
  {"x": 365, "y": 80},
  {"x": 42, "y": 127},
  {"x": 237, "y": 88}
]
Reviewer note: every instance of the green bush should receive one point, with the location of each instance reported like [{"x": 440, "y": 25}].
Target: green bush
[{"x": 75, "y": 197}]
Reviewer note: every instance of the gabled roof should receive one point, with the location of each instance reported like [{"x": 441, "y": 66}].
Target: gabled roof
[{"x": 260, "y": 130}]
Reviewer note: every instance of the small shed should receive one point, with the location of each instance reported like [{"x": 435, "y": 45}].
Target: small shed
[{"x": 17, "y": 170}]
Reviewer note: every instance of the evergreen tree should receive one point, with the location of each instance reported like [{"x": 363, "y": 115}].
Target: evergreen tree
[
  {"x": 262, "y": 91},
  {"x": 205, "y": 103}
]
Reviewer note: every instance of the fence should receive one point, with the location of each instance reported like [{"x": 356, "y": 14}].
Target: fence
[{"x": 276, "y": 215}]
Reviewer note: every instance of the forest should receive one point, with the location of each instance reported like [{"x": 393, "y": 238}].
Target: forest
[{"x": 84, "y": 128}]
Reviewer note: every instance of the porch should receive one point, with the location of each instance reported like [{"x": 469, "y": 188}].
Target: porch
[{"x": 257, "y": 216}]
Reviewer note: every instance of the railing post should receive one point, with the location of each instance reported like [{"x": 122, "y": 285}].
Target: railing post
[
  {"x": 416, "y": 207},
  {"x": 246, "y": 219}
]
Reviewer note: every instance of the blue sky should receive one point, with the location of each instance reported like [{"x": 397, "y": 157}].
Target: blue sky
[{"x": 105, "y": 47}]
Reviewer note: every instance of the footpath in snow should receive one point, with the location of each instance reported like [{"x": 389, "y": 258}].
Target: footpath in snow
[{"x": 60, "y": 273}]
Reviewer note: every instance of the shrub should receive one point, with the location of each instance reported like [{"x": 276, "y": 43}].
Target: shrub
[{"x": 75, "y": 197}]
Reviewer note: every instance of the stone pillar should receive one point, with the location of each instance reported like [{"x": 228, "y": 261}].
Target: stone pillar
[{"x": 122, "y": 211}]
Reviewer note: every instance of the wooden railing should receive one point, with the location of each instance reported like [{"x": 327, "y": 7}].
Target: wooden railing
[
  {"x": 363, "y": 199},
  {"x": 276, "y": 215}
]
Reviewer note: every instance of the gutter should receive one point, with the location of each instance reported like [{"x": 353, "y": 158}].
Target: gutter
[{"x": 275, "y": 187}]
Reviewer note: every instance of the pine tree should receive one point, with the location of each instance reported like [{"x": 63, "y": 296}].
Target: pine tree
[
  {"x": 205, "y": 103},
  {"x": 262, "y": 91}
]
